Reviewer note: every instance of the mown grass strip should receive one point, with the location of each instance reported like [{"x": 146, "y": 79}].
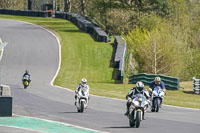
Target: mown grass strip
[{"x": 83, "y": 57}]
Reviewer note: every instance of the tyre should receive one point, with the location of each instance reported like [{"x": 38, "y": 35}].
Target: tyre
[
  {"x": 157, "y": 104},
  {"x": 138, "y": 119},
  {"x": 82, "y": 106},
  {"x": 25, "y": 84},
  {"x": 78, "y": 110},
  {"x": 131, "y": 120}
]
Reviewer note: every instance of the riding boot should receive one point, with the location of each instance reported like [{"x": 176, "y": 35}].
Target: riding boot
[
  {"x": 75, "y": 100},
  {"x": 143, "y": 116},
  {"x": 127, "y": 111}
]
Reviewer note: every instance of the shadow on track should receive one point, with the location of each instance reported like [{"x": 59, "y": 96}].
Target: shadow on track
[
  {"x": 119, "y": 127},
  {"x": 69, "y": 112}
]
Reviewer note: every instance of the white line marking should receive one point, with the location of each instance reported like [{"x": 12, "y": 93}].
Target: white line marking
[
  {"x": 72, "y": 90},
  {"x": 58, "y": 42},
  {"x": 67, "y": 124},
  {"x": 21, "y": 128},
  {"x": 1, "y": 54}
]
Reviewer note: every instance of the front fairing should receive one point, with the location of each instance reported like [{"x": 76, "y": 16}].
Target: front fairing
[{"x": 158, "y": 92}]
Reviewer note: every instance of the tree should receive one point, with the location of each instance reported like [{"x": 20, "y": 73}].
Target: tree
[{"x": 67, "y": 5}]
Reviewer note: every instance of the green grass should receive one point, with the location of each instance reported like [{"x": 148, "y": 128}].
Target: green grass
[{"x": 83, "y": 57}]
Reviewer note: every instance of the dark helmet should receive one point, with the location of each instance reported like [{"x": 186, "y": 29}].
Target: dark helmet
[
  {"x": 26, "y": 71},
  {"x": 139, "y": 86}
]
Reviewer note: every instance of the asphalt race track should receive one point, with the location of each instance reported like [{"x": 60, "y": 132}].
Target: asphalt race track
[{"x": 33, "y": 48}]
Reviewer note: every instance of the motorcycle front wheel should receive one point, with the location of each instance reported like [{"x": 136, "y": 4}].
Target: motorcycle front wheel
[
  {"x": 157, "y": 103},
  {"x": 82, "y": 107},
  {"x": 138, "y": 119}
]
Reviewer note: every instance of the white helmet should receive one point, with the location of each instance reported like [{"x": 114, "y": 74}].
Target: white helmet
[
  {"x": 83, "y": 81},
  {"x": 139, "y": 86}
]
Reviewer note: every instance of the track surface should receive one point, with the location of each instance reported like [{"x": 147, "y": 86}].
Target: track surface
[{"x": 30, "y": 47}]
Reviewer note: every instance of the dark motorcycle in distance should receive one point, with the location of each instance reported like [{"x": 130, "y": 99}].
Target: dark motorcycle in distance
[{"x": 25, "y": 81}]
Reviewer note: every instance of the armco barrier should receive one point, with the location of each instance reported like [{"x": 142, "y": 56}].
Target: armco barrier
[
  {"x": 5, "y": 101},
  {"x": 196, "y": 85},
  {"x": 119, "y": 60},
  {"x": 171, "y": 83}
]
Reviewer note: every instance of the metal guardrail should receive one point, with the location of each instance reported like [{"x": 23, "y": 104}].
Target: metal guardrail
[
  {"x": 171, "y": 83},
  {"x": 120, "y": 56},
  {"x": 196, "y": 85}
]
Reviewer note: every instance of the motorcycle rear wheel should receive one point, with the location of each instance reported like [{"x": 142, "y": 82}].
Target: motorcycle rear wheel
[{"x": 131, "y": 120}]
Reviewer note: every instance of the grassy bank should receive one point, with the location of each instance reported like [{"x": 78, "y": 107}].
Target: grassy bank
[{"x": 83, "y": 57}]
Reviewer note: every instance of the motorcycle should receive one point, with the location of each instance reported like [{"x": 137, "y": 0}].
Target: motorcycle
[
  {"x": 156, "y": 99},
  {"x": 25, "y": 81},
  {"x": 136, "y": 110},
  {"x": 82, "y": 99}
]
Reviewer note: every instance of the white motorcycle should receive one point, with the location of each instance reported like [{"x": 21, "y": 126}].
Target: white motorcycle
[
  {"x": 136, "y": 110},
  {"x": 82, "y": 99},
  {"x": 156, "y": 99}
]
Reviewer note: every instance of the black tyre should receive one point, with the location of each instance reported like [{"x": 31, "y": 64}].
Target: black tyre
[
  {"x": 82, "y": 107},
  {"x": 157, "y": 104},
  {"x": 78, "y": 110},
  {"x": 138, "y": 119},
  {"x": 131, "y": 120},
  {"x": 152, "y": 109}
]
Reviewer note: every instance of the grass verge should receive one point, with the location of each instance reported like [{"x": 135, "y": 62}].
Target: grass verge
[{"x": 83, "y": 57}]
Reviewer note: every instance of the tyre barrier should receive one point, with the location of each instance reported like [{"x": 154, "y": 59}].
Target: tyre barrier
[
  {"x": 171, "y": 83},
  {"x": 5, "y": 101},
  {"x": 196, "y": 85},
  {"x": 82, "y": 22}
]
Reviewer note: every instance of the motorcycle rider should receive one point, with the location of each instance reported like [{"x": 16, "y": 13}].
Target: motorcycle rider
[
  {"x": 139, "y": 89},
  {"x": 82, "y": 85},
  {"x": 155, "y": 83},
  {"x": 27, "y": 74}
]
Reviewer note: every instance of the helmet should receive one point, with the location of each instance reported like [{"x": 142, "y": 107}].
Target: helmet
[
  {"x": 139, "y": 86},
  {"x": 157, "y": 80},
  {"x": 83, "y": 81},
  {"x": 27, "y": 71}
]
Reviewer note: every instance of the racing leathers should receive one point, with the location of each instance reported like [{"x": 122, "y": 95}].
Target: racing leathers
[
  {"x": 153, "y": 85},
  {"x": 81, "y": 86},
  {"x": 26, "y": 75},
  {"x": 131, "y": 95}
]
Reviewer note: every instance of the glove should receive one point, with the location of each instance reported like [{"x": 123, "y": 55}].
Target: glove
[{"x": 129, "y": 100}]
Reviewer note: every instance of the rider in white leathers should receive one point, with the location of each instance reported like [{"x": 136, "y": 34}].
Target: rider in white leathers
[{"x": 81, "y": 85}]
